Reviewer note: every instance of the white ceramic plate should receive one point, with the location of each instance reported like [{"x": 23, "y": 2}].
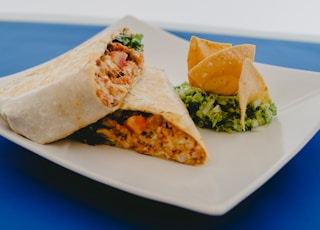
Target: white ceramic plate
[{"x": 239, "y": 163}]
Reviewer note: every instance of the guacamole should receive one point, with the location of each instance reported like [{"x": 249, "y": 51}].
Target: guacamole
[{"x": 222, "y": 113}]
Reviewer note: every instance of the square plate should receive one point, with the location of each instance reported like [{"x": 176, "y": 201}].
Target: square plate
[{"x": 239, "y": 163}]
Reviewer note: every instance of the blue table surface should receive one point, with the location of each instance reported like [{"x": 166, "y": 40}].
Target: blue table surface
[{"x": 38, "y": 194}]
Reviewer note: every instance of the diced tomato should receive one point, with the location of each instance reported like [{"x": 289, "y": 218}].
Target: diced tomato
[
  {"x": 136, "y": 124},
  {"x": 119, "y": 57}
]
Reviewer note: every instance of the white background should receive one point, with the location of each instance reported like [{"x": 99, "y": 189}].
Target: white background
[{"x": 282, "y": 19}]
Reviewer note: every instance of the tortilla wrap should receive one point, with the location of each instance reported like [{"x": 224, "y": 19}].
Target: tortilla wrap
[{"x": 53, "y": 100}]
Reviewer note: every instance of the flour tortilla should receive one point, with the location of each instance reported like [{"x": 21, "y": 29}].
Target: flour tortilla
[{"x": 53, "y": 100}]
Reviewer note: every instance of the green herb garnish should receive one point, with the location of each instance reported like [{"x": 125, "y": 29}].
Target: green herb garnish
[{"x": 131, "y": 40}]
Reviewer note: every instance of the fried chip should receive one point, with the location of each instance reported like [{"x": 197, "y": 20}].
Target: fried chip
[
  {"x": 200, "y": 48},
  {"x": 219, "y": 72},
  {"x": 251, "y": 87}
]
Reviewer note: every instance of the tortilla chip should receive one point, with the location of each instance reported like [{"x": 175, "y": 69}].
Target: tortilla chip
[
  {"x": 251, "y": 87},
  {"x": 219, "y": 72},
  {"x": 200, "y": 48}
]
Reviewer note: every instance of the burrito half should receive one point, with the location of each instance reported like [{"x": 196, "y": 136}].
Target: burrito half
[
  {"x": 152, "y": 120},
  {"x": 57, "y": 98}
]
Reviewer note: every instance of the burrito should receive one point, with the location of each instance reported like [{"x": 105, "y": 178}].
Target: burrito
[
  {"x": 152, "y": 120},
  {"x": 53, "y": 100}
]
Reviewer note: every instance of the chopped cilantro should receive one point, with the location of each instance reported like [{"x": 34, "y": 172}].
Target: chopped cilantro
[{"x": 131, "y": 40}]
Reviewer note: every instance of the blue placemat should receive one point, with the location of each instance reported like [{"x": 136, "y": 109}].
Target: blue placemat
[{"x": 38, "y": 194}]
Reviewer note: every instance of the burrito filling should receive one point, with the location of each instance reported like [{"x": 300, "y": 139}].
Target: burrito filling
[
  {"x": 117, "y": 68},
  {"x": 144, "y": 133}
]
